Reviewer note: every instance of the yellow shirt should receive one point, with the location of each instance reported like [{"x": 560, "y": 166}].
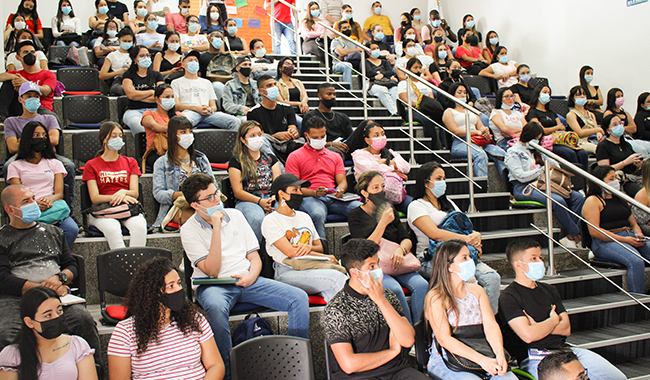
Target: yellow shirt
[{"x": 382, "y": 20}]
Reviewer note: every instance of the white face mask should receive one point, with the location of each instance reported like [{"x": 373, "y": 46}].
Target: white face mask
[
  {"x": 18, "y": 25},
  {"x": 259, "y": 53},
  {"x": 317, "y": 144},
  {"x": 255, "y": 143},
  {"x": 412, "y": 51},
  {"x": 214, "y": 16},
  {"x": 186, "y": 140},
  {"x": 185, "y": 11}
]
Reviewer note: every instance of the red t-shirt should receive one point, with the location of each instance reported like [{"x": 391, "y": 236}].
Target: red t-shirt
[
  {"x": 281, "y": 12},
  {"x": 319, "y": 168},
  {"x": 178, "y": 21},
  {"x": 111, "y": 176},
  {"x": 41, "y": 78},
  {"x": 461, "y": 51},
  {"x": 29, "y": 23}
]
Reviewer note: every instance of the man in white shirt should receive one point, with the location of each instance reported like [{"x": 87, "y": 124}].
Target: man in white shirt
[
  {"x": 220, "y": 244},
  {"x": 196, "y": 99}
]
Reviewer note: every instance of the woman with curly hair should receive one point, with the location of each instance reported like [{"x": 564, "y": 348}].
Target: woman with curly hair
[{"x": 162, "y": 334}]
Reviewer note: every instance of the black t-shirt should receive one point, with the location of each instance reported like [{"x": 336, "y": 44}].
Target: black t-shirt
[
  {"x": 642, "y": 121},
  {"x": 615, "y": 214},
  {"x": 337, "y": 124},
  {"x": 204, "y": 61},
  {"x": 143, "y": 84},
  {"x": 525, "y": 93},
  {"x": 117, "y": 9},
  {"x": 616, "y": 153},
  {"x": 546, "y": 118},
  {"x": 275, "y": 120},
  {"x": 362, "y": 225},
  {"x": 264, "y": 172},
  {"x": 538, "y": 303}
]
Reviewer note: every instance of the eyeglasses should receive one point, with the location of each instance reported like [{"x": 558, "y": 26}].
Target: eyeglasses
[
  {"x": 210, "y": 198},
  {"x": 583, "y": 375},
  {"x": 508, "y": 96}
]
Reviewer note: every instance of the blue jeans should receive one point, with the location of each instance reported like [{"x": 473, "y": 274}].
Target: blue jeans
[
  {"x": 418, "y": 287},
  {"x": 217, "y": 119},
  {"x": 599, "y": 368},
  {"x": 480, "y": 156},
  {"x": 635, "y": 266},
  {"x": 70, "y": 230},
  {"x": 218, "y": 300},
  {"x": 404, "y": 206},
  {"x": 287, "y": 30},
  {"x": 579, "y": 156},
  {"x": 323, "y": 282},
  {"x": 438, "y": 370},
  {"x": 254, "y": 214},
  {"x": 344, "y": 68},
  {"x": 318, "y": 208},
  {"x": 133, "y": 119},
  {"x": 386, "y": 96},
  {"x": 568, "y": 221},
  {"x": 503, "y": 144},
  {"x": 218, "y": 90}
]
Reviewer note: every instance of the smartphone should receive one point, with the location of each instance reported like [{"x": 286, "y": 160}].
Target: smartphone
[{"x": 179, "y": 64}]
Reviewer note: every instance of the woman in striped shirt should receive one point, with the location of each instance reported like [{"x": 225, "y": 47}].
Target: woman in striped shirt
[{"x": 164, "y": 336}]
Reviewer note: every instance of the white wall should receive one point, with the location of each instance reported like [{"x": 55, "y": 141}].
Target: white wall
[{"x": 557, "y": 37}]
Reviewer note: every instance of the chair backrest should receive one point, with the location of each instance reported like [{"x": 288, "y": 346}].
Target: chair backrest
[
  {"x": 328, "y": 369},
  {"x": 57, "y": 53},
  {"x": 115, "y": 268},
  {"x": 345, "y": 238},
  {"x": 217, "y": 144},
  {"x": 559, "y": 106},
  {"x": 86, "y": 109},
  {"x": 421, "y": 349},
  {"x": 534, "y": 82},
  {"x": 122, "y": 103},
  {"x": 79, "y": 281},
  {"x": 189, "y": 271},
  {"x": 272, "y": 357},
  {"x": 482, "y": 83},
  {"x": 79, "y": 78},
  {"x": 226, "y": 189},
  {"x": 84, "y": 146},
  {"x": 140, "y": 145}
]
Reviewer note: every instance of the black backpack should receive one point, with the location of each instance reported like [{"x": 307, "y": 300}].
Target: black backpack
[{"x": 251, "y": 328}]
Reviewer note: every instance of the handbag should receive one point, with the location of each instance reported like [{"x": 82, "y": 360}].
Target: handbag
[
  {"x": 568, "y": 139},
  {"x": 386, "y": 82},
  {"x": 385, "y": 254},
  {"x": 560, "y": 182},
  {"x": 121, "y": 211},
  {"x": 59, "y": 211},
  {"x": 480, "y": 140},
  {"x": 394, "y": 187}
]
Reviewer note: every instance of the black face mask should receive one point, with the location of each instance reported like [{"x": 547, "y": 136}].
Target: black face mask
[
  {"x": 245, "y": 71},
  {"x": 455, "y": 73},
  {"x": 175, "y": 301},
  {"x": 52, "y": 329},
  {"x": 29, "y": 59},
  {"x": 39, "y": 144},
  {"x": 377, "y": 198},
  {"x": 437, "y": 39},
  {"x": 347, "y": 32},
  {"x": 405, "y": 23},
  {"x": 328, "y": 103},
  {"x": 295, "y": 201},
  {"x": 473, "y": 40}
]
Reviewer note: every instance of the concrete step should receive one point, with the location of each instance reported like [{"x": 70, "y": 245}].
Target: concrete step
[{"x": 612, "y": 335}]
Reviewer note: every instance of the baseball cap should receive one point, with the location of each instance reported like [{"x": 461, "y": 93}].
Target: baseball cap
[
  {"x": 192, "y": 53},
  {"x": 285, "y": 180},
  {"x": 27, "y": 87}
]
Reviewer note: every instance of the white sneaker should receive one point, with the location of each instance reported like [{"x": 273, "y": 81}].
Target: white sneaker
[{"x": 568, "y": 243}]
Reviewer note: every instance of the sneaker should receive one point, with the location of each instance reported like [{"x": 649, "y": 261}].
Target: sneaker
[{"x": 568, "y": 243}]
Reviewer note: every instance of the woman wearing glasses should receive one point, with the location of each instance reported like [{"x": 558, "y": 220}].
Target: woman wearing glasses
[{"x": 505, "y": 122}]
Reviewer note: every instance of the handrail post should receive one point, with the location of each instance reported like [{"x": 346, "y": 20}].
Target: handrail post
[
  {"x": 364, "y": 83},
  {"x": 409, "y": 92},
  {"x": 273, "y": 21},
  {"x": 549, "y": 218},
  {"x": 327, "y": 57},
  {"x": 470, "y": 163}
]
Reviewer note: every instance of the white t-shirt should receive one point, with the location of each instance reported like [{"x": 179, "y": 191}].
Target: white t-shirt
[
  {"x": 500, "y": 69},
  {"x": 148, "y": 39},
  {"x": 401, "y": 88},
  {"x": 193, "y": 92},
  {"x": 72, "y": 24},
  {"x": 459, "y": 118},
  {"x": 237, "y": 242},
  {"x": 299, "y": 229},
  {"x": 516, "y": 119},
  {"x": 160, "y": 5},
  {"x": 11, "y": 59},
  {"x": 119, "y": 60},
  {"x": 419, "y": 208},
  {"x": 193, "y": 41}
]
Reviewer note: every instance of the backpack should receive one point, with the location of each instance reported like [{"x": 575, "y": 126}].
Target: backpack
[
  {"x": 251, "y": 328},
  {"x": 221, "y": 64}
]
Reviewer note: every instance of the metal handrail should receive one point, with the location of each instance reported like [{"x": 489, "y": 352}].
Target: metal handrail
[
  {"x": 295, "y": 29},
  {"x": 440, "y": 91}
]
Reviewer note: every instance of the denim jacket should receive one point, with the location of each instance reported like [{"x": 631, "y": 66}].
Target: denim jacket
[
  {"x": 234, "y": 96},
  {"x": 521, "y": 164},
  {"x": 166, "y": 182}
]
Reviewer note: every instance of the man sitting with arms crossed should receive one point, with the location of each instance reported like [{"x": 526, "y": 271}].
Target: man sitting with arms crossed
[
  {"x": 533, "y": 319},
  {"x": 364, "y": 323},
  {"x": 221, "y": 244},
  {"x": 563, "y": 365}
]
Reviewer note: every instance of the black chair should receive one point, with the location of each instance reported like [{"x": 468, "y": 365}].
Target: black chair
[
  {"x": 328, "y": 368},
  {"x": 559, "y": 106},
  {"x": 114, "y": 272},
  {"x": 226, "y": 189},
  {"x": 79, "y": 281},
  {"x": 482, "y": 83},
  {"x": 421, "y": 346},
  {"x": 57, "y": 54},
  {"x": 85, "y": 111},
  {"x": 534, "y": 82},
  {"x": 140, "y": 145},
  {"x": 79, "y": 80},
  {"x": 272, "y": 357},
  {"x": 345, "y": 238},
  {"x": 84, "y": 147},
  {"x": 216, "y": 144},
  {"x": 122, "y": 104},
  {"x": 86, "y": 204}
]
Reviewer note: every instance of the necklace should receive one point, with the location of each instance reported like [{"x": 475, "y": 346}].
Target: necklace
[{"x": 321, "y": 112}]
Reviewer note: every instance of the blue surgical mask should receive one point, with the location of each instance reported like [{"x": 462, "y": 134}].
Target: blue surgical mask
[
  {"x": 442, "y": 54},
  {"x": 32, "y": 104},
  {"x": 470, "y": 24},
  {"x": 379, "y": 36},
  {"x": 103, "y": 10},
  {"x": 503, "y": 59},
  {"x": 615, "y": 184},
  {"x": 66, "y": 10},
  {"x": 462, "y": 100},
  {"x": 347, "y": 16},
  {"x": 193, "y": 67},
  {"x": 211, "y": 210},
  {"x": 589, "y": 78},
  {"x": 536, "y": 270},
  {"x": 193, "y": 27},
  {"x": 581, "y": 101},
  {"x": 167, "y": 103},
  {"x": 618, "y": 131},
  {"x": 116, "y": 143},
  {"x": 142, "y": 12},
  {"x": 232, "y": 30},
  {"x": 152, "y": 24},
  {"x": 532, "y": 141},
  {"x": 144, "y": 62},
  {"x": 524, "y": 78},
  {"x": 544, "y": 98},
  {"x": 494, "y": 41},
  {"x": 505, "y": 106},
  {"x": 30, "y": 212},
  {"x": 111, "y": 33},
  {"x": 217, "y": 43},
  {"x": 467, "y": 270},
  {"x": 439, "y": 188},
  {"x": 417, "y": 17},
  {"x": 315, "y": 13},
  {"x": 126, "y": 45},
  {"x": 272, "y": 93},
  {"x": 377, "y": 10},
  {"x": 378, "y": 274},
  {"x": 436, "y": 23},
  {"x": 375, "y": 53}
]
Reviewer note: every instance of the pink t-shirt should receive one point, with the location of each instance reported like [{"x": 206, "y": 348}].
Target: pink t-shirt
[
  {"x": 364, "y": 161},
  {"x": 319, "y": 168},
  {"x": 173, "y": 356},
  {"x": 38, "y": 177},
  {"x": 178, "y": 21}
]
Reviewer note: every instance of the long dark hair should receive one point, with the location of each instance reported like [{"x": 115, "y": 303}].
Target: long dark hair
[
  {"x": 534, "y": 97},
  {"x": 168, "y": 34},
  {"x": 157, "y": 93},
  {"x": 13, "y": 39},
  {"x": 421, "y": 180},
  {"x": 487, "y": 41},
  {"x": 364, "y": 181},
  {"x": 309, "y": 21},
  {"x": 209, "y": 20},
  {"x": 495, "y": 55},
  {"x": 353, "y": 24},
  {"x": 575, "y": 91},
  {"x": 280, "y": 64},
  {"x": 611, "y": 98},
  {"x": 600, "y": 172},
  {"x": 59, "y": 13},
  {"x": 24, "y": 11},
  {"x": 531, "y": 131},
  {"x": 454, "y": 87},
  {"x": 105, "y": 36},
  {"x": 133, "y": 54},
  {"x": 640, "y": 100},
  {"x": 499, "y": 97},
  {"x": 357, "y": 138},
  {"x": 225, "y": 27},
  {"x": 30, "y": 359},
  {"x": 25, "y": 151},
  {"x": 145, "y": 301},
  {"x": 583, "y": 81},
  {"x": 104, "y": 131},
  {"x": 177, "y": 123}
]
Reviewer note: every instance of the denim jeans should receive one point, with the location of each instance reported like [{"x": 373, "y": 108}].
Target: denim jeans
[
  {"x": 480, "y": 156},
  {"x": 599, "y": 368},
  {"x": 217, "y": 119},
  {"x": 568, "y": 221},
  {"x": 318, "y": 208},
  {"x": 218, "y": 300},
  {"x": 503, "y": 144},
  {"x": 346, "y": 69},
  {"x": 579, "y": 156},
  {"x": 133, "y": 119},
  {"x": 254, "y": 214},
  {"x": 635, "y": 265},
  {"x": 70, "y": 230},
  {"x": 285, "y": 29},
  {"x": 386, "y": 96},
  {"x": 477, "y": 93},
  {"x": 324, "y": 282},
  {"x": 438, "y": 370},
  {"x": 218, "y": 90},
  {"x": 414, "y": 283}
]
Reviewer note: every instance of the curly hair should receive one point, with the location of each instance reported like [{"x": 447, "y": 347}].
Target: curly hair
[{"x": 145, "y": 301}]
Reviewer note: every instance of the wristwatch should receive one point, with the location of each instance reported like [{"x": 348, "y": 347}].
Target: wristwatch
[{"x": 62, "y": 277}]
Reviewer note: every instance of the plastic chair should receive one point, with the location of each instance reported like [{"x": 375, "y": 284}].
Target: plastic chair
[
  {"x": 84, "y": 147},
  {"x": 85, "y": 111},
  {"x": 216, "y": 144},
  {"x": 272, "y": 357},
  {"x": 115, "y": 270},
  {"x": 482, "y": 83},
  {"x": 122, "y": 104},
  {"x": 79, "y": 80},
  {"x": 140, "y": 145},
  {"x": 559, "y": 106},
  {"x": 421, "y": 346},
  {"x": 79, "y": 281},
  {"x": 534, "y": 82},
  {"x": 226, "y": 189}
]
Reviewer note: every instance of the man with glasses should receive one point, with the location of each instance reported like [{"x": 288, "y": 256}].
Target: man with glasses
[
  {"x": 563, "y": 365},
  {"x": 221, "y": 245}
]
